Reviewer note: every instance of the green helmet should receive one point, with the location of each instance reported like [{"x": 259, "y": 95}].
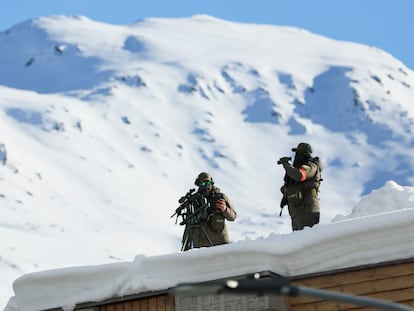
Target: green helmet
[
  {"x": 203, "y": 176},
  {"x": 303, "y": 148}
]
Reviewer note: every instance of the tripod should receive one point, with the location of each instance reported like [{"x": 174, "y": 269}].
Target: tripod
[{"x": 188, "y": 242}]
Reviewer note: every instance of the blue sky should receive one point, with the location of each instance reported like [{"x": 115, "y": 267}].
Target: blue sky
[{"x": 386, "y": 24}]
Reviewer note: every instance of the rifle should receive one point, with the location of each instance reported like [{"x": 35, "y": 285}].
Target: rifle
[
  {"x": 193, "y": 207},
  {"x": 283, "y": 202}
]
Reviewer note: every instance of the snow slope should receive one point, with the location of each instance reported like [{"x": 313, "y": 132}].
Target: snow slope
[{"x": 104, "y": 127}]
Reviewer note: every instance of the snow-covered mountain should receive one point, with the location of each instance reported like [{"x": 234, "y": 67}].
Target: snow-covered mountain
[{"x": 104, "y": 127}]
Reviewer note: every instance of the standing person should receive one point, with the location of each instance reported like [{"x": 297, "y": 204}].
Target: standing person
[
  {"x": 210, "y": 208},
  {"x": 301, "y": 187}
]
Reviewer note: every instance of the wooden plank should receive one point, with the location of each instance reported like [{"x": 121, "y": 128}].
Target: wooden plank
[
  {"x": 300, "y": 300},
  {"x": 161, "y": 300},
  {"x": 335, "y": 306},
  {"x": 404, "y": 296},
  {"x": 144, "y": 304},
  {"x": 395, "y": 295},
  {"x": 328, "y": 306},
  {"x": 363, "y": 288},
  {"x": 383, "y": 285},
  {"x": 407, "y": 303},
  {"x": 170, "y": 303},
  {"x": 119, "y": 306},
  {"x": 152, "y": 304},
  {"x": 128, "y": 306},
  {"x": 136, "y": 305},
  {"x": 348, "y": 277},
  {"x": 110, "y": 307}
]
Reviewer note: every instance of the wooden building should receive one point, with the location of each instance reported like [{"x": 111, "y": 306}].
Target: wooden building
[{"x": 391, "y": 281}]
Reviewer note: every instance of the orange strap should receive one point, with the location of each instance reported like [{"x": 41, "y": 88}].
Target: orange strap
[{"x": 303, "y": 174}]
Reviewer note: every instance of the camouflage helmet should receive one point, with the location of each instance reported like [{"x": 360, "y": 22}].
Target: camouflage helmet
[
  {"x": 203, "y": 176},
  {"x": 303, "y": 148}
]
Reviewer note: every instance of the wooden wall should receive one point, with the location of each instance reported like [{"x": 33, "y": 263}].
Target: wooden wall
[
  {"x": 393, "y": 282},
  {"x": 156, "y": 303}
]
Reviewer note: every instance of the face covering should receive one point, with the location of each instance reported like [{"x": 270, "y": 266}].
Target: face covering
[
  {"x": 205, "y": 190},
  {"x": 300, "y": 159}
]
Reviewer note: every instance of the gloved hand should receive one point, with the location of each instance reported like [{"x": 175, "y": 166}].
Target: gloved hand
[
  {"x": 221, "y": 204},
  {"x": 284, "y": 160}
]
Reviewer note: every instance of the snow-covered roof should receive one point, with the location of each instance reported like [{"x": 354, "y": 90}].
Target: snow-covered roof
[{"x": 350, "y": 242}]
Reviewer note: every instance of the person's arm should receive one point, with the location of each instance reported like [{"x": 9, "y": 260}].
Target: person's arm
[
  {"x": 224, "y": 204},
  {"x": 302, "y": 173}
]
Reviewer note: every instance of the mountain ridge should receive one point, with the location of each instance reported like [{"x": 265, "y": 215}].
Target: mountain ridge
[{"x": 263, "y": 96}]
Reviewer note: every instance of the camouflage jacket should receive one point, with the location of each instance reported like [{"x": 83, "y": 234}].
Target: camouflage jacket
[
  {"x": 301, "y": 186},
  {"x": 211, "y": 228}
]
